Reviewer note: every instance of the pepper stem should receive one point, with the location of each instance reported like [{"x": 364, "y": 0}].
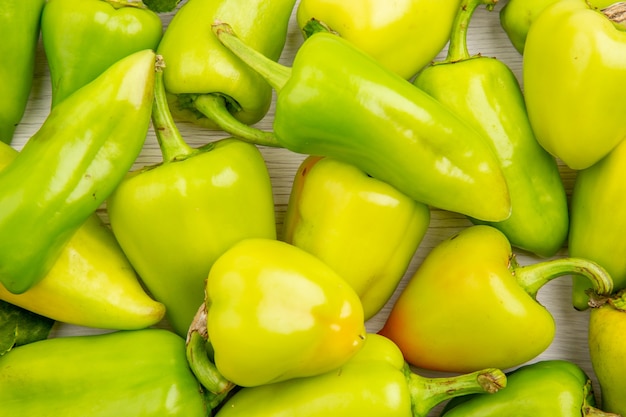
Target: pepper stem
[
  {"x": 214, "y": 107},
  {"x": 273, "y": 72},
  {"x": 173, "y": 146},
  {"x": 457, "y": 49},
  {"x": 616, "y": 13},
  {"x": 118, "y": 4},
  {"x": 589, "y": 410},
  {"x": 533, "y": 277},
  {"x": 426, "y": 393}
]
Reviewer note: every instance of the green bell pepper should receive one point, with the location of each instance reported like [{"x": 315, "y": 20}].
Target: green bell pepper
[
  {"x": 573, "y": 74},
  {"x": 209, "y": 86},
  {"x": 364, "y": 229},
  {"x": 273, "y": 312},
  {"x": 470, "y": 305},
  {"x": 338, "y": 102},
  {"x": 140, "y": 373},
  {"x": 517, "y": 16},
  {"x": 82, "y": 38},
  {"x": 555, "y": 388},
  {"x": 202, "y": 201},
  {"x": 19, "y": 31},
  {"x": 607, "y": 327},
  {"x": 485, "y": 92},
  {"x": 91, "y": 283},
  {"x": 81, "y": 152},
  {"x": 403, "y": 36},
  {"x": 374, "y": 382},
  {"x": 598, "y": 215}
]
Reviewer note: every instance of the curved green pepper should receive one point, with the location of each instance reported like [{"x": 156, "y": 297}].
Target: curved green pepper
[
  {"x": 19, "y": 31},
  {"x": 555, "y": 388},
  {"x": 470, "y": 305},
  {"x": 206, "y": 83},
  {"x": 140, "y": 373},
  {"x": 607, "y": 327},
  {"x": 598, "y": 217},
  {"x": 374, "y": 382},
  {"x": 364, "y": 229},
  {"x": 403, "y": 36},
  {"x": 274, "y": 312},
  {"x": 573, "y": 72},
  {"x": 82, "y": 38},
  {"x": 485, "y": 92},
  {"x": 202, "y": 200},
  {"x": 517, "y": 16},
  {"x": 336, "y": 101},
  {"x": 82, "y": 151}
]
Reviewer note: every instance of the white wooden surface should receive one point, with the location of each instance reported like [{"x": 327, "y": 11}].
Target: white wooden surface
[{"x": 486, "y": 37}]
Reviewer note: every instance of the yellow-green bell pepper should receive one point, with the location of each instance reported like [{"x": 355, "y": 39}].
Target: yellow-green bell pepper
[
  {"x": 404, "y": 35},
  {"x": 573, "y": 74},
  {"x": 363, "y": 228}
]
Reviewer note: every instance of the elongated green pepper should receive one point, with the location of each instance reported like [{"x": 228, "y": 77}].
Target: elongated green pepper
[
  {"x": 81, "y": 152},
  {"x": 336, "y": 101},
  {"x": 485, "y": 92},
  {"x": 209, "y": 86},
  {"x": 140, "y": 373},
  {"x": 555, "y": 388},
  {"x": 375, "y": 382},
  {"x": 82, "y": 38},
  {"x": 202, "y": 201},
  {"x": 19, "y": 31},
  {"x": 364, "y": 229}
]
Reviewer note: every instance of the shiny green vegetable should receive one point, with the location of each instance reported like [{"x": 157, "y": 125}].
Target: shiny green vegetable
[
  {"x": 484, "y": 91},
  {"x": 19, "y": 31},
  {"x": 140, "y": 373},
  {"x": 338, "y": 102},
  {"x": 375, "y": 382},
  {"x": 174, "y": 219},
  {"x": 82, "y": 151},
  {"x": 209, "y": 86},
  {"x": 555, "y": 388},
  {"x": 82, "y": 38},
  {"x": 364, "y": 229}
]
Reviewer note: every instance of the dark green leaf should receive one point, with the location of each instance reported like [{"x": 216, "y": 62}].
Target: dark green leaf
[
  {"x": 19, "y": 326},
  {"x": 161, "y": 6}
]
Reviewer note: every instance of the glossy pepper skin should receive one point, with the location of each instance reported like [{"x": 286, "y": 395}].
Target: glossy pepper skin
[
  {"x": 205, "y": 81},
  {"x": 338, "y": 102},
  {"x": 82, "y": 38},
  {"x": 275, "y": 312},
  {"x": 82, "y": 151},
  {"x": 484, "y": 91},
  {"x": 573, "y": 71},
  {"x": 19, "y": 31},
  {"x": 470, "y": 304},
  {"x": 364, "y": 229},
  {"x": 556, "y": 388},
  {"x": 517, "y": 16},
  {"x": 598, "y": 215},
  {"x": 404, "y": 36},
  {"x": 202, "y": 200},
  {"x": 607, "y": 327},
  {"x": 374, "y": 382},
  {"x": 140, "y": 373}
]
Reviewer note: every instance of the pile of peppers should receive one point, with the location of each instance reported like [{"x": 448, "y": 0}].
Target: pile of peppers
[{"x": 208, "y": 296}]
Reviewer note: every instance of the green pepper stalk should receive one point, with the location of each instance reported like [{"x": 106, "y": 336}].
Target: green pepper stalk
[
  {"x": 206, "y": 84},
  {"x": 375, "y": 382},
  {"x": 485, "y": 92},
  {"x": 203, "y": 200},
  {"x": 469, "y": 304},
  {"x": 336, "y": 101},
  {"x": 19, "y": 31},
  {"x": 82, "y": 38},
  {"x": 125, "y": 373},
  {"x": 69, "y": 167},
  {"x": 573, "y": 75},
  {"x": 555, "y": 388}
]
